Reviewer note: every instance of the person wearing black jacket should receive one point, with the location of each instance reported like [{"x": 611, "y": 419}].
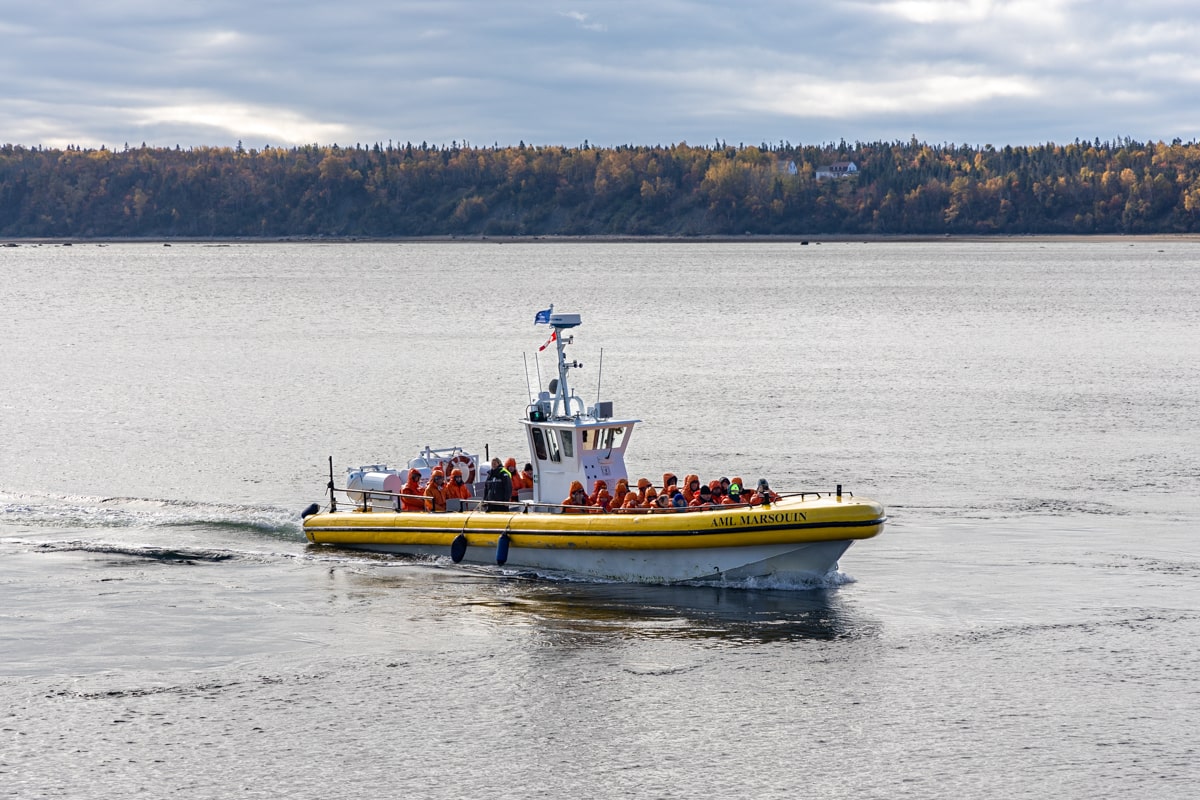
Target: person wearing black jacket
[{"x": 497, "y": 489}]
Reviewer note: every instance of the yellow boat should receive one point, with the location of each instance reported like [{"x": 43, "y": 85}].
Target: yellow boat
[{"x": 792, "y": 538}]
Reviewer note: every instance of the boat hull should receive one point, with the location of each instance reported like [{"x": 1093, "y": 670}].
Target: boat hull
[{"x": 793, "y": 540}]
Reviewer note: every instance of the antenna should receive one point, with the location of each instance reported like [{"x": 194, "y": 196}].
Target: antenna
[
  {"x": 599, "y": 374},
  {"x": 525, "y": 360},
  {"x": 538, "y": 366}
]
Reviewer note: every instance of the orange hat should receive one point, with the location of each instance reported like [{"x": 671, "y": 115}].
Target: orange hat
[
  {"x": 598, "y": 485},
  {"x": 455, "y": 473},
  {"x": 437, "y": 473},
  {"x": 511, "y": 464},
  {"x": 651, "y": 493},
  {"x": 643, "y": 483},
  {"x": 623, "y": 482},
  {"x": 576, "y": 486},
  {"x": 414, "y": 474}
]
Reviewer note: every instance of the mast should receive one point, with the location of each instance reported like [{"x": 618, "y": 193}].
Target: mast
[
  {"x": 560, "y": 323},
  {"x": 567, "y": 441}
]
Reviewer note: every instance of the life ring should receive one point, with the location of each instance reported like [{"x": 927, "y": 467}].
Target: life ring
[{"x": 464, "y": 463}]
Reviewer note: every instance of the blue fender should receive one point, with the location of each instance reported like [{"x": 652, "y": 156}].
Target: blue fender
[{"x": 458, "y": 548}]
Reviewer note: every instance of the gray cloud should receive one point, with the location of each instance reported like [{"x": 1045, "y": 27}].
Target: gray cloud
[{"x": 657, "y": 71}]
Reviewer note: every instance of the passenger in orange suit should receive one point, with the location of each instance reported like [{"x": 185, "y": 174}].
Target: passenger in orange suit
[
  {"x": 764, "y": 494},
  {"x": 457, "y": 489},
  {"x": 412, "y": 487},
  {"x": 669, "y": 480},
  {"x": 632, "y": 505},
  {"x": 642, "y": 486},
  {"x": 576, "y": 502},
  {"x": 651, "y": 497},
  {"x": 600, "y": 499},
  {"x": 435, "y": 492},
  {"x": 691, "y": 485},
  {"x": 518, "y": 480},
  {"x": 746, "y": 491},
  {"x": 703, "y": 499},
  {"x": 662, "y": 505},
  {"x": 619, "y": 494},
  {"x": 677, "y": 501}
]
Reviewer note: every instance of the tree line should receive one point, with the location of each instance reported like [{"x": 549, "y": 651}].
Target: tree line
[{"x": 380, "y": 190}]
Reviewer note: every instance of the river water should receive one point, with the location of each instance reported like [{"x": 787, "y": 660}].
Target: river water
[{"x": 1028, "y": 625}]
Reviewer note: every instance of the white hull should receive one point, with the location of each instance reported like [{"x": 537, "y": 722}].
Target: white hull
[{"x": 788, "y": 563}]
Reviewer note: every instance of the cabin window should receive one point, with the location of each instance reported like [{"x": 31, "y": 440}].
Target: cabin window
[
  {"x": 552, "y": 446},
  {"x": 539, "y": 444},
  {"x": 568, "y": 443},
  {"x": 603, "y": 438},
  {"x": 613, "y": 437},
  {"x": 599, "y": 438}
]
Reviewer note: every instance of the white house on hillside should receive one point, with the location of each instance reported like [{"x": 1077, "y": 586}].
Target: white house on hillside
[{"x": 840, "y": 169}]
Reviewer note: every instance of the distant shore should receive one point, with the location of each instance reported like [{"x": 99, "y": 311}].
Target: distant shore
[{"x": 815, "y": 239}]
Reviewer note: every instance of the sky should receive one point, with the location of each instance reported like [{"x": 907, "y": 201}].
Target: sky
[{"x": 653, "y": 72}]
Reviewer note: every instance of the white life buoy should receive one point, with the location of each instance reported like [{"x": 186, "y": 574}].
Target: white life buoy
[{"x": 464, "y": 463}]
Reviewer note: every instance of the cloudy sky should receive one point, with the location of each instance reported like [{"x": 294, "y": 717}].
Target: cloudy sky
[{"x": 282, "y": 72}]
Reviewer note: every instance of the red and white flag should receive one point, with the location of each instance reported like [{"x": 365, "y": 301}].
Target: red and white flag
[{"x": 553, "y": 336}]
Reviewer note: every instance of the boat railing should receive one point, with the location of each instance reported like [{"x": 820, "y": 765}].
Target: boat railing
[
  {"x": 804, "y": 494},
  {"x": 458, "y": 504},
  {"x": 368, "y": 496}
]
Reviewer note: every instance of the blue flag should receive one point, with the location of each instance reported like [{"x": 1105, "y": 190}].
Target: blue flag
[{"x": 543, "y": 317}]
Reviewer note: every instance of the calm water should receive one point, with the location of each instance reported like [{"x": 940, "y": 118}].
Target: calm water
[{"x": 1027, "y": 626}]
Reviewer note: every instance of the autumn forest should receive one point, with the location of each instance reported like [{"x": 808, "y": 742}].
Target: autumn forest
[{"x": 900, "y": 188}]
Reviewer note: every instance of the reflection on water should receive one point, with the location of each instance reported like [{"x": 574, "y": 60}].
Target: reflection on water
[
  {"x": 580, "y": 614},
  {"x": 692, "y": 612}
]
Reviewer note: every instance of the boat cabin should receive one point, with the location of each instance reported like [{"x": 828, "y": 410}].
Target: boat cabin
[{"x": 584, "y": 450}]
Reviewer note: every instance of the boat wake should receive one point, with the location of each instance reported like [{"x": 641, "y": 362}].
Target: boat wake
[
  {"x": 23, "y": 510},
  {"x": 174, "y": 555},
  {"x": 831, "y": 580},
  {"x": 1054, "y": 507},
  {"x": 1012, "y": 508}
]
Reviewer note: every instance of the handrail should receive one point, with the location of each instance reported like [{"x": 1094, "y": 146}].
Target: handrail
[
  {"x": 803, "y": 494},
  {"x": 371, "y": 494},
  {"x": 523, "y": 506}
]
